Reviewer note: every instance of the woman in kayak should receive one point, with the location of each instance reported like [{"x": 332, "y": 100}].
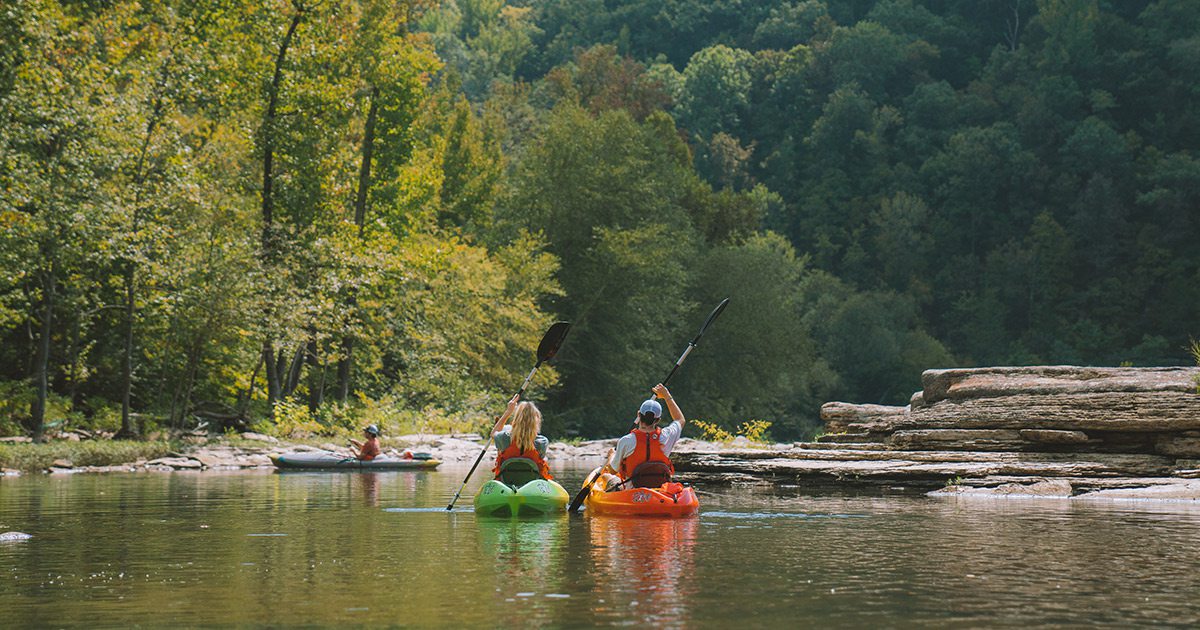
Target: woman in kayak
[
  {"x": 366, "y": 451},
  {"x": 522, "y": 439},
  {"x": 642, "y": 455}
]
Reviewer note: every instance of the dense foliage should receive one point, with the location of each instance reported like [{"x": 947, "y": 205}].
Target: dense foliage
[{"x": 216, "y": 208}]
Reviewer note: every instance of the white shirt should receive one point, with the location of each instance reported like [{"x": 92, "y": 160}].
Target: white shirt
[{"x": 628, "y": 443}]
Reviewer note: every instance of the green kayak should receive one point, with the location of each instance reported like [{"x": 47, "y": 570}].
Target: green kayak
[{"x": 536, "y": 498}]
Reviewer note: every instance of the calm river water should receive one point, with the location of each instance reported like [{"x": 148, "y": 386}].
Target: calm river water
[{"x": 255, "y": 548}]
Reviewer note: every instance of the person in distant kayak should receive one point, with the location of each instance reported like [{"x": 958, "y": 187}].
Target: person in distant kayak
[
  {"x": 366, "y": 451},
  {"x": 521, "y": 440},
  {"x": 641, "y": 457}
]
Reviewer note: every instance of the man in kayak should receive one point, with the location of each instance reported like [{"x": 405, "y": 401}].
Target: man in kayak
[
  {"x": 366, "y": 451},
  {"x": 641, "y": 457},
  {"x": 521, "y": 440}
]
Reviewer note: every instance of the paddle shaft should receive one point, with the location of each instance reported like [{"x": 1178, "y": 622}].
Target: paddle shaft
[
  {"x": 489, "y": 442},
  {"x": 696, "y": 341}
]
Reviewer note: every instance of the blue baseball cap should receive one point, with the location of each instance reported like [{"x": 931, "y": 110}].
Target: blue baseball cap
[{"x": 651, "y": 407}]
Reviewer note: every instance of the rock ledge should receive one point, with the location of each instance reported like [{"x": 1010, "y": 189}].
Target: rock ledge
[{"x": 1083, "y": 433}]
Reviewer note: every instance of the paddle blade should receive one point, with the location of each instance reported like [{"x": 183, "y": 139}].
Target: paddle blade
[
  {"x": 585, "y": 490},
  {"x": 713, "y": 316},
  {"x": 579, "y": 498},
  {"x": 552, "y": 341}
]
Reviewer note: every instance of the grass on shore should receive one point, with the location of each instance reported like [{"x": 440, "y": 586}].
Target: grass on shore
[{"x": 38, "y": 457}]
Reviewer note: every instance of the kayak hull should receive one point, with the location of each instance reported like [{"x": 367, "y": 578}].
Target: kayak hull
[
  {"x": 671, "y": 500},
  {"x": 540, "y": 497},
  {"x": 333, "y": 461}
]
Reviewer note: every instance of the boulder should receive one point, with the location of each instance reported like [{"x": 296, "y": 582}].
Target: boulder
[
  {"x": 259, "y": 437},
  {"x": 1181, "y": 490},
  {"x": 993, "y": 382},
  {"x": 210, "y": 460},
  {"x": 177, "y": 463},
  {"x": 1096, "y": 411},
  {"x": 1032, "y": 488},
  {"x": 842, "y": 417}
]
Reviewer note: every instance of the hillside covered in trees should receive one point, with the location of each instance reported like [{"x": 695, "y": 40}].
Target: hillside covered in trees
[{"x": 308, "y": 212}]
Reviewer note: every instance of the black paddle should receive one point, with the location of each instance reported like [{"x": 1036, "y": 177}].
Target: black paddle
[
  {"x": 587, "y": 484},
  {"x": 549, "y": 346}
]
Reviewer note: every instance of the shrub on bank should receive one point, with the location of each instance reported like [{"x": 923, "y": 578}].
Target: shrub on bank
[
  {"x": 294, "y": 421},
  {"x": 35, "y": 457}
]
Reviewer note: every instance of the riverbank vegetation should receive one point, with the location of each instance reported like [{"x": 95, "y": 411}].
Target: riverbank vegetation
[
  {"x": 261, "y": 213},
  {"x": 40, "y": 457}
]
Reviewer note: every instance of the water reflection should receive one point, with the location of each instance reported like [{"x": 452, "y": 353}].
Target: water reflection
[
  {"x": 524, "y": 549},
  {"x": 380, "y": 549},
  {"x": 370, "y": 488},
  {"x": 529, "y": 572},
  {"x": 645, "y": 567}
]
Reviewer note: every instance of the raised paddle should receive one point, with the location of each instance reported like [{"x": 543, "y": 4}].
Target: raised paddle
[
  {"x": 549, "y": 346},
  {"x": 587, "y": 485}
]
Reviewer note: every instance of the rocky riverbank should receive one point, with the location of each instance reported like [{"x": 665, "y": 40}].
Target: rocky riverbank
[
  {"x": 253, "y": 450},
  {"x": 1051, "y": 431}
]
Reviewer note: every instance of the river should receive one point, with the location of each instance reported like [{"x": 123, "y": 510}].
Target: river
[{"x": 256, "y": 548}]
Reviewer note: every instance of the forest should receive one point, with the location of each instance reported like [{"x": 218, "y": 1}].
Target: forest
[{"x": 294, "y": 215}]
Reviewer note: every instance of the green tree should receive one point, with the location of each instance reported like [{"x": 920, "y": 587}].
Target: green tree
[
  {"x": 759, "y": 361},
  {"x": 606, "y": 192},
  {"x": 716, "y": 86}
]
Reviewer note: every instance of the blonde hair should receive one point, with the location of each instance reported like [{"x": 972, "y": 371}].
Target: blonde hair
[{"x": 526, "y": 424}]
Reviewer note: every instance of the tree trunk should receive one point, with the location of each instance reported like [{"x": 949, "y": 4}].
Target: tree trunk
[
  {"x": 346, "y": 363},
  {"x": 157, "y": 108},
  {"x": 127, "y": 431},
  {"x": 316, "y": 377},
  {"x": 268, "y": 199},
  {"x": 42, "y": 363},
  {"x": 293, "y": 371},
  {"x": 244, "y": 398},
  {"x": 72, "y": 360},
  {"x": 273, "y": 385}
]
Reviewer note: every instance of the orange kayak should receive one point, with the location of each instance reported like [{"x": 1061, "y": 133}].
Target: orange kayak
[{"x": 670, "y": 500}]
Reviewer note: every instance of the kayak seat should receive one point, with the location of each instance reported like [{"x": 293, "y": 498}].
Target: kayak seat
[
  {"x": 518, "y": 471},
  {"x": 650, "y": 475}
]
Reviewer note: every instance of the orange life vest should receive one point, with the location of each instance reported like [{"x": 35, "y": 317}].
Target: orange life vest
[
  {"x": 649, "y": 449},
  {"x": 532, "y": 454}
]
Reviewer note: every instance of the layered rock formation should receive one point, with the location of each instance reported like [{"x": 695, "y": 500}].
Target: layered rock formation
[{"x": 1049, "y": 429}]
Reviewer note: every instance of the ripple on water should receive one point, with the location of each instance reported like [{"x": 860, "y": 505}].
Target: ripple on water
[
  {"x": 428, "y": 509},
  {"x": 782, "y": 515}
]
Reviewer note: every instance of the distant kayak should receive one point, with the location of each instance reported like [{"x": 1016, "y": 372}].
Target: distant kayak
[
  {"x": 670, "y": 500},
  {"x": 539, "y": 497},
  {"x": 334, "y": 461}
]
